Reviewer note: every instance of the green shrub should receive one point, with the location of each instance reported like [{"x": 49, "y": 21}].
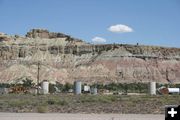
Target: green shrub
[
  {"x": 51, "y": 102},
  {"x": 67, "y": 86},
  {"x": 62, "y": 102},
  {"x": 57, "y": 101},
  {"x": 52, "y": 88},
  {"x": 42, "y": 109}
]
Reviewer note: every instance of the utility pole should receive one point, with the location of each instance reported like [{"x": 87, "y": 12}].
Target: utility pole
[{"x": 38, "y": 65}]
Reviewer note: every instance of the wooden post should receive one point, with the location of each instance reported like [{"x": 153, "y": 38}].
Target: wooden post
[{"x": 38, "y": 77}]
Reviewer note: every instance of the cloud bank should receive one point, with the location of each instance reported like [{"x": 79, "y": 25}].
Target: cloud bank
[
  {"x": 98, "y": 40},
  {"x": 120, "y": 28}
]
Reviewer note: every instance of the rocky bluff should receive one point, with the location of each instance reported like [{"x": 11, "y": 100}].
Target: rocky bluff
[{"x": 64, "y": 59}]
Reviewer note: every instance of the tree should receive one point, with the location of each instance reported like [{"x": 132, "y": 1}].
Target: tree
[
  {"x": 67, "y": 86},
  {"x": 28, "y": 83}
]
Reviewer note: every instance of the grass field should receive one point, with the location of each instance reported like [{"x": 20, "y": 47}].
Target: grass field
[{"x": 64, "y": 103}]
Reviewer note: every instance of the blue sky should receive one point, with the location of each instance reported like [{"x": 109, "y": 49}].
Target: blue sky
[{"x": 153, "y": 22}]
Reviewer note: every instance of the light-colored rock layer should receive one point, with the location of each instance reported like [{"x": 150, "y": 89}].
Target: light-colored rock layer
[{"x": 65, "y": 59}]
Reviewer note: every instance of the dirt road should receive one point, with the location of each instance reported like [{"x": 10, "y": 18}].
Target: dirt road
[{"x": 59, "y": 116}]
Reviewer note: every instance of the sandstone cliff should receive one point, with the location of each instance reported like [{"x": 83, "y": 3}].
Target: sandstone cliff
[{"x": 65, "y": 59}]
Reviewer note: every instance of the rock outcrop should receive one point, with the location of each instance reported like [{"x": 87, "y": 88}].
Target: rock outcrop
[{"x": 65, "y": 59}]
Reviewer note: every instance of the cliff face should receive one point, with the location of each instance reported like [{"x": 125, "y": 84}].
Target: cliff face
[{"x": 66, "y": 59}]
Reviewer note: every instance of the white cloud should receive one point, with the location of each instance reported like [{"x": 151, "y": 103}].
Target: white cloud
[
  {"x": 120, "y": 28},
  {"x": 98, "y": 40}
]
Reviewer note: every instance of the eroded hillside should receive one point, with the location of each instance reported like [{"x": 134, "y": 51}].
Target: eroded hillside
[{"x": 66, "y": 59}]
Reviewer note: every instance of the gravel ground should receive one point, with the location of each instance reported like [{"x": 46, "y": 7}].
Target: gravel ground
[{"x": 56, "y": 116}]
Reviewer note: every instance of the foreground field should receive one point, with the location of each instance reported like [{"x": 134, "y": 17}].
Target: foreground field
[
  {"x": 52, "y": 116},
  {"x": 121, "y": 104}
]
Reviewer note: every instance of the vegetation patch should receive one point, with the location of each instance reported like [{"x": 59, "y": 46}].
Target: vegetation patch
[
  {"x": 42, "y": 109},
  {"x": 66, "y": 103}
]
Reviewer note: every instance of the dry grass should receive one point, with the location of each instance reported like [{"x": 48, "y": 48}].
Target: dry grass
[
  {"x": 86, "y": 103},
  {"x": 42, "y": 109}
]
